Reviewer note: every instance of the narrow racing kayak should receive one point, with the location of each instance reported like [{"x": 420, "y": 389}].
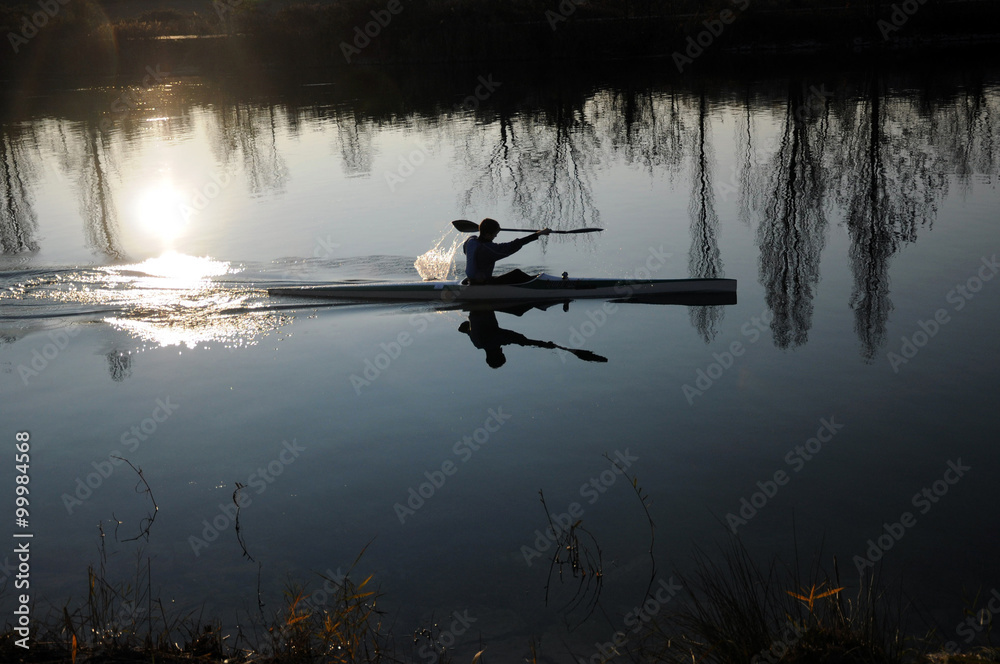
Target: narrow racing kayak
[{"x": 540, "y": 287}]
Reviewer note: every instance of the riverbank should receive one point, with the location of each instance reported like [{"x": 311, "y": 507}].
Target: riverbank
[
  {"x": 68, "y": 38},
  {"x": 729, "y": 609}
]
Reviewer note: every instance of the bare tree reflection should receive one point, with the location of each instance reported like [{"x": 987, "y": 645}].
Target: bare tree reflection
[
  {"x": 18, "y": 222},
  {"x": 890, "y": 180},
  {"x": 791, "y": 234},
  {"x": 97, "y": 195},
  {"x": 119, "y": 365},
  {"x": 704, "y": 258},
  {"x": 645, "y": 126},
  {"x": 251, "y": 130},
  {"x": 567, "y": 164},
  {"x": 745, "y": 185},
  {"x": 83, "y": 154},
  {"x": 355, "y": 140},
  {"x": 964, "y": 130},
  {"x": 543, "y": 165},
  {"x": 494, "y": 174}
]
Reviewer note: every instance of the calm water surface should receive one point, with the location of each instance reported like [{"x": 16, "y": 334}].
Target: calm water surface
[{"x": 857, "y": 210}]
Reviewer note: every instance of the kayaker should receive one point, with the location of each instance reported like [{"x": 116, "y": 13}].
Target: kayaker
[{"x": 482, "y": 253}]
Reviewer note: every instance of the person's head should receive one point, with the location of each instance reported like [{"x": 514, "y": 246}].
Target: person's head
[
  {"x": 489, "y": 228},
  {"x": 495, "y": 357}
]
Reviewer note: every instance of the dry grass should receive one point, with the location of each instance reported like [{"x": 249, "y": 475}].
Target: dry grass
[
  {"x": 737, "y": 611},
  {"x": 121, "y": 621}
]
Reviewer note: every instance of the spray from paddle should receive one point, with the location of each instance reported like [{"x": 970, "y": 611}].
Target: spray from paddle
[{"x": 438, "y": 264}]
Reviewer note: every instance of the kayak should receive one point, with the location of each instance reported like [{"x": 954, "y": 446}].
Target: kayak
[{"x": 540, "y": 287}]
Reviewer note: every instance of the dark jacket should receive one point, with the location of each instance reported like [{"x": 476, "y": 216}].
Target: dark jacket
[{"x": 480, "y": 257}]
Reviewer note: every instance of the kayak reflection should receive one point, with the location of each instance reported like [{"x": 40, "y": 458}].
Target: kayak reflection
[{"x": 486, "y": 334}]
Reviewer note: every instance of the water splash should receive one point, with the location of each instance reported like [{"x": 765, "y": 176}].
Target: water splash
[{"x": 438, "y": 264}]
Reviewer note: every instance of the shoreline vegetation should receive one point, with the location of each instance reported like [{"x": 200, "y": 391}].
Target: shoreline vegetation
[
  {"x": 731, "y": 610},
  {"x": 83, "y": 36}
]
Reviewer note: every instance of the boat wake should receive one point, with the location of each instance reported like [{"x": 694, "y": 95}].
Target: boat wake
[
  {"x": 176, "y": 299},
  {"x": 172, "y": 299}
]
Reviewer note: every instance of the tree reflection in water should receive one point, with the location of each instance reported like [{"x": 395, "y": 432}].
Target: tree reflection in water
[
  {"x": 18, "y": 220},
  {"x": 792, "y": 228},
  {"x": 704, "y": 257},
  {"x": 878, "y": 152}
]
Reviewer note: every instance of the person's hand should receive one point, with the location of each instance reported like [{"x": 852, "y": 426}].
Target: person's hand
[{"x": 544, "y": 231}]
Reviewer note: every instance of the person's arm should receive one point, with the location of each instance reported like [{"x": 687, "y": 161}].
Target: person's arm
[
  {"x": 505, "y": 249},
  {"x": 537, "y": 234}
]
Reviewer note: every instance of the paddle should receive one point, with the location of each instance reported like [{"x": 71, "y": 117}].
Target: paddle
[
  {"x": 583, "y": 354},
  {"x": 466, "y": 226}
]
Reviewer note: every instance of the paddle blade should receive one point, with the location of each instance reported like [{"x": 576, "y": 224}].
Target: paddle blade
[
  {"x": 465, "y": 226},
  {"x": 582, "y": 230},
  {"x": 585, "y": 355},
  {"x": 588, "y": 356}
]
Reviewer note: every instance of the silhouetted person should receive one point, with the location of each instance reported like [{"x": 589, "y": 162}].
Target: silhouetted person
[{"x": 482, "y": 253}]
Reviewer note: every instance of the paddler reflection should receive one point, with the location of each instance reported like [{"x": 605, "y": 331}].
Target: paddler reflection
[{"x": 486, "y": 334}]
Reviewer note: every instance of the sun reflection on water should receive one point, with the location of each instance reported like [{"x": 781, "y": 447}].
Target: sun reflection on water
[
  {"x": 179, "y": 302},
  {"x": 173, "y": 299},
  {"x": 161, "y": 211},
  {"x": 175, "y": 270}
]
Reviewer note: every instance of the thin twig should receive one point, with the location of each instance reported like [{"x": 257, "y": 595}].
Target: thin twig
[
  {"x": 239, "y": 535},
  {"x": 144, "y": 531}
]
